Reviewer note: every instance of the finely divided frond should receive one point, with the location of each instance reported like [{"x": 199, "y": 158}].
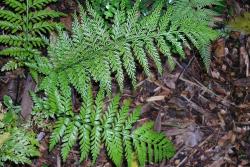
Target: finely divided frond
[
  {"x": 41, "y": 3},
  {"x": 16, "y": 5},
  {"x": 42, "y": 14},
  {"x": 113, "y": 128},
  {"x": 10, "y": 16},
  {"x": 24, "y": 24},
  {"x": 8, "y": 26},
  {"x": 58, "y": 132},
  {"x": 101, "y": 49},
  {"x": 69, "y": 139}
]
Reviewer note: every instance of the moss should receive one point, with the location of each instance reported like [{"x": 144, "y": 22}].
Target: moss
[{"x": 241, "y": 23}]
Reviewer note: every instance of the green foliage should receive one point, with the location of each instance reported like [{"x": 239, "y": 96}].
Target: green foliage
[
  {"x": 24, "y": 22},
  {"x": 241, "y": 23},
  {"x": 195, "y": 9},
  {"x": 97, "y": 49},
  {"x": 16, "y": 143},
  {"x": 107, "y": 8},
  {"x": 40, "y": 113},
  {"x": 94, "y": 126}
]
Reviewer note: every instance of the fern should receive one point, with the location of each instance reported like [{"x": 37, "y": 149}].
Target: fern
[
  {"x": 24, "y": 23},
  {"x": 17, "y": 144},
  {"x": 93, "y": 127},
  {"x": 195, "y": 9},
  {"x": 95, "y": 50}
]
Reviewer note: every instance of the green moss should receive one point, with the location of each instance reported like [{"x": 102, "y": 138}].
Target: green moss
[{"x": 241, "y": 23}]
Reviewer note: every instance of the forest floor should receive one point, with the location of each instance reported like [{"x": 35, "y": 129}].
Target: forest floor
[{"x": 205, "y": 114}]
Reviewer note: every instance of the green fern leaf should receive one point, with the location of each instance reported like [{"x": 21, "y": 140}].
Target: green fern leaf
[
  {"x": 16, "y": 5},
  {"x": 25, "y": 24},
  {"x": 41, "y": 3},
  {"x": 58, "y": 132},
  {"x": 43, "y": 14},
  {"x": 113, "y": 128},
  {"x": 10, "y": 16},
  {"x": 69, "y": 139},
  {"x": 13, "y": 27},
  {"x": 10, "y": 65}
]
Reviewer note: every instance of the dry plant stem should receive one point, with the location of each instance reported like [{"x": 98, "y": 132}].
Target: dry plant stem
[
  {"x": 58, "y": 161},
  {"x": 195, "y": 106},
  {"x": 182, "y": 147},
  {"x": 193, "y": 152}
]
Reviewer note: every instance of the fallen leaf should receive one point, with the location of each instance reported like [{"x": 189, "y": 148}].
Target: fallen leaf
[
  {"x": 218, "y": 163},
  {"x": 27, "y": 103},
  {"x": 220, "y": 48},
  {"x": 155, "y": 98}
]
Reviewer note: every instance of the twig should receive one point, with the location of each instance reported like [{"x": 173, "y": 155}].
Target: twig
[{"x": 190, "y": 155}]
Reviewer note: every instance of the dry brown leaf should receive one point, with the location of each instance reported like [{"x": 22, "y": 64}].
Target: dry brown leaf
[
  {"x": 155, "y": 98},
  {"x": 215, "y": 74},
  {"x": 220, "y": 48},
  {"x": 218, "y": 163}
]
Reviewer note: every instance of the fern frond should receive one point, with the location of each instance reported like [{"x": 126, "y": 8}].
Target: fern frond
[
  {"x": 116, "y": 67},
  {"x": 25, "y": 24},
  {"x": 96, "y": 131},
  {"x": 13, "y": 27},
  {"x": 153, "y": 53},
  {"x": 129, "y": 63},
  {"x": 43, "y": 27},
  {"x": 194, "y": 9},
  {"x": 113, "y": 128},
  {"x": 19, "y": 147},
  {"x": 10, "y": 16},
  {"x": 101, "y": 49},
  {"x": 69, "y": 139},
  {"x": 85, "y": 130},
  {"x": 38, "y": 4},
  {"x": 21, "y": 53},
  {"x": 10, "y": 65},
  {"x": 16, "y": 5},
  {"x": 141, "y": 56},
  {"x": 65, "y": 93},
  {"x": 17, "y": 144},
  {"x": 59, "y": 131},
  {"x": 43, "y": 14},
  {"x": 11, "y": 39}
]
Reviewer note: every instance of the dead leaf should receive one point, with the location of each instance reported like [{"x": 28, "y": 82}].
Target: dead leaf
[
  {"x": 225, "y": 139},
  {"x": 215, "y": 74},
  {"x": 245, "y": 82},
  {"x": 155, "y": 98},
  {"x": 218, "y": 163},
  {"x": 220, "y": 48},
  {"x": 244, "y": 60},
  {"x": 27, "y": 103},
  {"x": 193, "y": 136},
  {"x": 157, "y": 125}
]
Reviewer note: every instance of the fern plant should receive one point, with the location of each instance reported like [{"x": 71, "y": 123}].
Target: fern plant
[
  {"x": 17, "y": 144},
  {"x": 198, "y": 9},
  {"x": 108, "y": 7},
  {"x": 94, "y": 126},
  {"x": 24, "y": 22},
  {"x": 96, "y": 50}
]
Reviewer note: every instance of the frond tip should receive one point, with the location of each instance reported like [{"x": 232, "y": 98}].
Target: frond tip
[{"x": 113, "y": 128}]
